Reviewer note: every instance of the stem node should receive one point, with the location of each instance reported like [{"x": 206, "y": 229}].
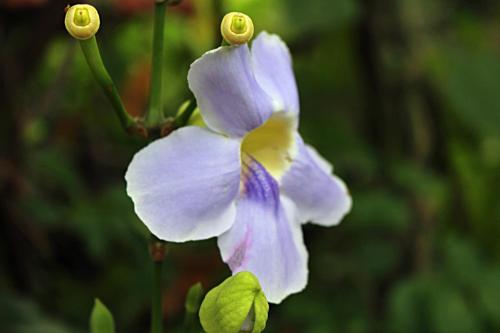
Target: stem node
[{"x": 158, "y": 250}]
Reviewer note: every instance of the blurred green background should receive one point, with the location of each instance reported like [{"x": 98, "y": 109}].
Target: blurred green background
[{"x": 403, "y": 96}]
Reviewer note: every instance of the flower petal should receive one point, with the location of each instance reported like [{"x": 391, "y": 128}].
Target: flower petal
[
  {"x": 320, "y": 197},
  {"x": 319, "y": 160},
  {"x": 265, "y": 239},
  {"x": 274, "y": 72},
  {"x": 184, "y": 186},
  {"x": 230, "y": 99}
]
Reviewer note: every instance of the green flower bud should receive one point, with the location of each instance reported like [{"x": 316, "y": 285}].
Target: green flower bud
[
  {"x": 236, "y": 305},
  {"x": 236, "y": 28},
  {"x": 193, "y": 298},
  {"x": 101, "y": 320},
  {"x": 189, "y": 114},
  {"x": 82, "y": 21}
]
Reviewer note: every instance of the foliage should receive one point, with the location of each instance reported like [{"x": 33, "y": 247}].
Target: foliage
[
  {"x": 101, "y": 320},
  {"x": 402, "y": 96}
]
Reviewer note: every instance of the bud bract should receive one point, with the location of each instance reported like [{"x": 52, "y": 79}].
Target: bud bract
[{"x": 237, "y": 304}]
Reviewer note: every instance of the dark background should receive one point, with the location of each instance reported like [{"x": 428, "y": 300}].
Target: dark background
[{"x": 403, "y": 96}]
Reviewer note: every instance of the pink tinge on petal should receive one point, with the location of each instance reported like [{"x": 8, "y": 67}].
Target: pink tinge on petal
[{"x": 238, "y": 258}]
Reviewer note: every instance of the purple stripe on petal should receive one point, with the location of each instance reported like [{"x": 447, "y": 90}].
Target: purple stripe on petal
[
  {"x": 259, "y": 184},
  {"x": 265, "y": 239}
]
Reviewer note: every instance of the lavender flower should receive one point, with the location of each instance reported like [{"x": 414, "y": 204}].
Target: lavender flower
[{"x": 246, "y": 177}]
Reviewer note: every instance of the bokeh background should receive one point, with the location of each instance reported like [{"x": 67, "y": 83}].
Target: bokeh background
[{"x": 403, "y": 96}]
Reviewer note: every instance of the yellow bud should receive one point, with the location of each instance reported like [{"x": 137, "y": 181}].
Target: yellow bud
[
  {"x": 82, "y": 21},
  {"x": 236, "y": 28}
]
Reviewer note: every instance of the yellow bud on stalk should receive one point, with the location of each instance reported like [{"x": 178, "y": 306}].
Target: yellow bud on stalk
[
  {"x": 236, "y": 28},
  {"x": 82, "y": 21}
]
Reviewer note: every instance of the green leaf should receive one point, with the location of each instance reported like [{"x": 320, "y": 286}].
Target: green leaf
[
  {"x": 430, "y": 304},
  {"x": 489, "y": 294},
  {"x": 227, "y": 306},
  {"x": 467, "y": 78},
  {"x": 101, "y": 320},
  {"x": 318, "y": 15},
  {"x": 193, "y": 297}
]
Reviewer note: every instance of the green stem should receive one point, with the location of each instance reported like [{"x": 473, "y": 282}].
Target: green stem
[
  {"x": 190, "y": 322},
  {"x": 219, "y": 15},
  {"x": 157, "y": 252},
  {"x": 93, "y": 56},
  {"x": 157, "y": 308},
  {"x": 154, "y": 116}
]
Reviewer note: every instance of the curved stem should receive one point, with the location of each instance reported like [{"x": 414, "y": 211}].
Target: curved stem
[
  {"x": 93, "y": 56},
  {"x": 154, "y": 115}
]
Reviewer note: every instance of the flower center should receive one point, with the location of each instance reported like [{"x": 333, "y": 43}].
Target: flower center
[
  {"x": 238, "y": 24},
  {"x": 82, "y": 17},
  {"x": 272, "y": 144}
]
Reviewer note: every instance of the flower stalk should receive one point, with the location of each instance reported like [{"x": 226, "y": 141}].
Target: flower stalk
[
  {"x": 154, "y": 114},
  {"x": 157, "y": 252},
  {"x": 82, "y": 23},
  {"x": 93, "y": 57}
]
